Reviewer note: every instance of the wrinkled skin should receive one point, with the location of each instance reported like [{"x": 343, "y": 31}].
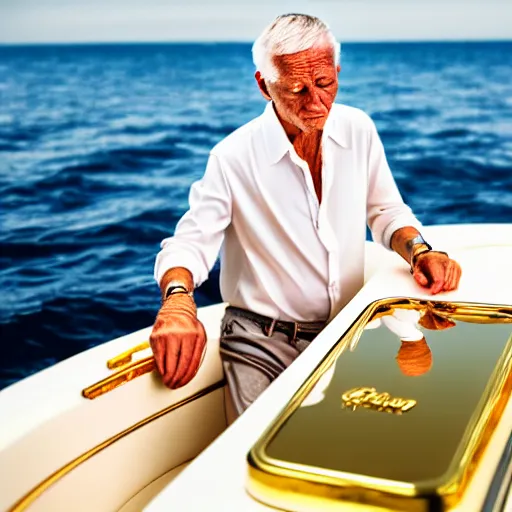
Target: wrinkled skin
[
  {"x": 178, "y": 339},
  {"x": 303, "y": 96},
  {"x": 433, "y": 271},
  {"x": 305, "y": 90},
  {"x": 437, "y": 272}
]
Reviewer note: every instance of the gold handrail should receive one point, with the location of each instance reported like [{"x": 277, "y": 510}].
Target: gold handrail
[
  {"x": 127, "y": 370},
  {"x": 126, "y": 356}
]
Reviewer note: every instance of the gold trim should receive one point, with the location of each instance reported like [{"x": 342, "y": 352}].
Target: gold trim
[
  {"x": 126, "y": 356},
  {"x": 127, "y": 370},
  {"x": 282, "y": 483},
  {"x": 126, "y": 374},
  {"x": 32, "y": 495}
]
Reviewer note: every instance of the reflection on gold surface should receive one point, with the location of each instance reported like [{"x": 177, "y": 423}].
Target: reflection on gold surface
[
  {"x": 369, "y": 398},
  {"x": 414, "y": 358},
  {"x": 126, "y": 371},
  {"x": 434, "y": 321},
  {"x": 318, "y": 456}
]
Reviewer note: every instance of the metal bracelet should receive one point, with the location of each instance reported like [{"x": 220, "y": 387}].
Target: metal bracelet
[{"x": 174, "y": 290}]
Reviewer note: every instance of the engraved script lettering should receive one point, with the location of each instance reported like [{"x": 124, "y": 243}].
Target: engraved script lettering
[{"x": 369, "y": 398}]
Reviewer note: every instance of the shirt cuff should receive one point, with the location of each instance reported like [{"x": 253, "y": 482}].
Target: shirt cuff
[
  {"x": 396, "y": 224},
  {"x": 166, "y": 260}
]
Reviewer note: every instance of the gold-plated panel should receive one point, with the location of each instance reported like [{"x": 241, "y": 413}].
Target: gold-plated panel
[
  {"x": 33, "y": 494},
  {"x": 449, "y": 365}
]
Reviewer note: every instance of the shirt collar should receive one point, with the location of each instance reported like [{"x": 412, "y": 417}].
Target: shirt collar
[{"x": 277, "y": 141}]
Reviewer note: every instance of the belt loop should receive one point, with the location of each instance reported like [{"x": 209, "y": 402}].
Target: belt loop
[
  {"x": 295, "y": 330},
  {"x": 271, "y": 327}
]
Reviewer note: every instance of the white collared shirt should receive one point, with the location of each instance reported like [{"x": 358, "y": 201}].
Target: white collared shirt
[{"x": 284, "y": 255}]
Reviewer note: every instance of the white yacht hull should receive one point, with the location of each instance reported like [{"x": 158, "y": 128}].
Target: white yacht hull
[{"x": 60, "y": 451}]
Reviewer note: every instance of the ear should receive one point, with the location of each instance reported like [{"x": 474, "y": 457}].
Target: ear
[
  {"x": 262, "y": 86},
  {"x": 338, "y": 68}
]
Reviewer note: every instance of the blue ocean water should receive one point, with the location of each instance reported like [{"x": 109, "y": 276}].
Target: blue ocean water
[{"x": 100, "y": 143}]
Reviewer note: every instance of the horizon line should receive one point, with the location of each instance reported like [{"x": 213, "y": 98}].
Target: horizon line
[{"x": 242, "y": 41}]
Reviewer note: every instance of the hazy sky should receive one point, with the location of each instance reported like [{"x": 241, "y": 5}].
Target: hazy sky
[{"x": 242, "y": 20}]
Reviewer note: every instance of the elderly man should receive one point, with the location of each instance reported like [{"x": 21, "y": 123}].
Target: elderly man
[{"x": 288, "y": 197}]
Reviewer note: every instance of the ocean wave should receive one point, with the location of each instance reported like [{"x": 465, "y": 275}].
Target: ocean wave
[{"x": 100, "y": 145}]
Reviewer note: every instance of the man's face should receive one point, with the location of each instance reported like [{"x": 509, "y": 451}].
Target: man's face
[{"x": 306, "y": 88}]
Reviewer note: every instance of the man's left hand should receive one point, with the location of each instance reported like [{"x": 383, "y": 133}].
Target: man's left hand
[{"x": 436, "y": 272}]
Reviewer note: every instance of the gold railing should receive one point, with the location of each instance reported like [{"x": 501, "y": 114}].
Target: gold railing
[{"x": 126, "y": 370}]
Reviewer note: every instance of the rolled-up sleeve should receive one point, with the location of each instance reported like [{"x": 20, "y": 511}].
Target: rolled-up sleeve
[
  {"x": 199, "y": 233},
  {"x": 386, "y": 211}
]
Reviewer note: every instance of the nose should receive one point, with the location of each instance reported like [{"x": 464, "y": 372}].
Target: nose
[{"x": 315, "y": 105}]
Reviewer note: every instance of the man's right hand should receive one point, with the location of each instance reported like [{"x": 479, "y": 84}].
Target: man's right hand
[{"x": 178, "y": 340}]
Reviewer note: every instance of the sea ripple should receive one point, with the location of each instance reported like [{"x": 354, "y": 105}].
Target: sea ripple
[{"x": 99, "y": 145}]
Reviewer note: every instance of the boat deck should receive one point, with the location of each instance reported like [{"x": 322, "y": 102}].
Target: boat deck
[{"x": 220, "y": 472}]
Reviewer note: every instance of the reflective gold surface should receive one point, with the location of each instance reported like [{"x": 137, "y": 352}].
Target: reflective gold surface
[
  {"x": 126, "y": 357},
  {"x": 125, "y": 374},
  {"x": 126, "y": 370},
  {"x": 371, "y": 399},
  {"x": 449, "y": 365}
]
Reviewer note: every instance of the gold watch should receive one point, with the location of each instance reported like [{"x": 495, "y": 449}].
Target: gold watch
[{"x": 417, "y": 245}]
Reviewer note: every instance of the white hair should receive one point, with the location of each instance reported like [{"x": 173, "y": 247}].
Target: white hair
[{"x": 290, "y": 33}]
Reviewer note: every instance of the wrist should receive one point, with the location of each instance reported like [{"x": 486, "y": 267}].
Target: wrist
[
  {"x": 176, "y": 276},
  {"x": 421, "y": 251},
  {"x": 175, "y": 287},
  {"x": 416, "y": 246},
  {"x": 417, "y": 251},
  {"x": 179, "y": 304}
]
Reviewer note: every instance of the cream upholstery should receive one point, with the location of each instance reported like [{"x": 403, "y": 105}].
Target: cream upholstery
[
  {"x": 144, "y": 496},
  {"x": 43, "y": 444}
]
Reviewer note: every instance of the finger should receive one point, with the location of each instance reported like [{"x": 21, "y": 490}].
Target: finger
[
  {"x": 456, "y": 276},
  {"x": 185, "y": 356},
  {"x": 172, "y": 353},
  {"x": 448, "y": 277},
  {"x": 199, "y": 349},
  {"x": 158, "y": 353},
  {"x": 437, "y": 271},
  {"x": 420, "y": 278},
  {"x": 197, "y": 357}
]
